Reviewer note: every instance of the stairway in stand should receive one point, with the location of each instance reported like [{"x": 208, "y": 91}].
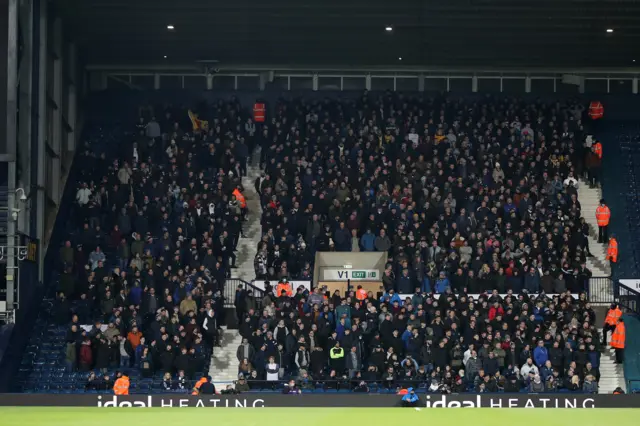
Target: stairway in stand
[
  {"x": 224, "y": 364},
  {"x": 589, "y": 199},
  {"x": 247, "y": 247},
  {"x": 611, "y": 374}
]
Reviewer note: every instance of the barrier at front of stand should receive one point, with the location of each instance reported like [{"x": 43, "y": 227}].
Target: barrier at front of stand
[{"x": 583, "y": 401}]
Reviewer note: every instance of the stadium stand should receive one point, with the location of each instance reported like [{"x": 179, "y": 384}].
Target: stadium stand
[
  {"x": 360, "y": 177},
  {"x": 467, "y": 196},
  {"x": 147, "y": 251}
]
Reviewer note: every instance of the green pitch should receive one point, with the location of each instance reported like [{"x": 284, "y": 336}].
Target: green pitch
[{"x": 312, "y": 416}]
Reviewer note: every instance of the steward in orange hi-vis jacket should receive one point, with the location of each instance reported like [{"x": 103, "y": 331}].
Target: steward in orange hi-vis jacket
[
  {"x": 121, "y": 386},
  {"x": 603, "y": 215},
  {"x": 618, "y": 340},
  {"x": 611, "y": 321}
]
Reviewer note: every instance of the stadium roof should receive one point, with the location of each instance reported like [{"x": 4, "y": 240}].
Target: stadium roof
[{"x": 501, "y": 33}]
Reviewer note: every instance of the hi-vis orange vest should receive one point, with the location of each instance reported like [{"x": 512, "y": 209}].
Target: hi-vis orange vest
[
  {"x": 241, "y": 200},
  {"x": 121, "y": 386},
  {"x": 596, "y": 110},
  {"x": 258, "y": 112},
  {"x": 602, "y": 215},
  {"x": 597, "y": 149},
  {"x": 361, "y": 294},
  {"x": 196, "y": 388},
  {"x": 286, "y": 287},
  {"x": 618, "y": 336},
  {"x": 613, "y": 316},
  {"x": 612, "y": 250}
]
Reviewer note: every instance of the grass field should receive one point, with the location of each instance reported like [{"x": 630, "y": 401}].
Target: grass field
[{"x": 17, "y": 416}]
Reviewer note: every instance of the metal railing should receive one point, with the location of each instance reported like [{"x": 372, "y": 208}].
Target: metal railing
[
  {"x": 601, "y": 290},
  {"x": 628, "y": 298},
  {"x": 230, "y": 287},
  {"x": 353, "y": 385}
]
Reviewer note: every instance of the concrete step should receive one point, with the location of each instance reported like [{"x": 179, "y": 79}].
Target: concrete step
[
  {"x": 251, "y": 228},
  {"x": 589, "y": 200},
  {"x": 611, "y": 374},
  {"x": 223, "y": 361}
]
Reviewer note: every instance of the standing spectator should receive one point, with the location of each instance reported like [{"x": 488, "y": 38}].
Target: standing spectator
[
  {"x": 272, "y": 369},
  {"x": 126, "y": 351},
  {"x": 540, "y": 354}
]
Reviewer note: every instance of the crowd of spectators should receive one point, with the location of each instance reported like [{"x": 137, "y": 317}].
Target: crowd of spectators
[
  {"x": 478, "y": 194},
  {"x": 466, "y": 197},
  {"x": 158, "y": 220},
  {"x": 437, "y": 343}
]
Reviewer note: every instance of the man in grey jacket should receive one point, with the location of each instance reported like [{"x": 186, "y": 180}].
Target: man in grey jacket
[
  {"x": 382, "y": 243},
  {"x": 472, "y": 366},
  {"x": 245, "y": 351},
  {"x": 316, "y": 298}
]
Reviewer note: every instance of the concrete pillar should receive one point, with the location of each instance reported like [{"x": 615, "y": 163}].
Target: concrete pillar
[
  {"x": 56, "y": 117},
  {"x": 72, "y": 89},
  {"x": 474, "y": 84},
  {"x": 527, "y": 85},
  {"x": 264, "y": 76},
  {"x": 40, "y": 152},
  {"x": 11, "y": 140},
  {"x": 27, "y": 112},
  {"x": 421, "y": 83}
]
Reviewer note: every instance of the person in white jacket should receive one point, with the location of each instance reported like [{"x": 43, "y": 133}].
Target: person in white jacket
[
  {"x": 83, "y": 195},
  {"x": 272, "y": 370},
  {"x": 571, "y": 180},
  {"x": 527, "y": 368}
]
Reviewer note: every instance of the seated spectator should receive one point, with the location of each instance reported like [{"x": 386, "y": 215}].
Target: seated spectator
[
  {"x": 167, "y": 382},
  {"x": 181, "y": 381},
  {"x": 245, "y": 368},
  {"x": 229, "y": 390},
  {"x": 590, "y": 384},
  {"x": 291, "y": 388},
  {"x": 536, "y": 385},
  {"x": 93, "y": 383},
  {"x": 304, "y": 380},
  {"x": 105, "y": 383},
  {"x": 242, "y": 385}
]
